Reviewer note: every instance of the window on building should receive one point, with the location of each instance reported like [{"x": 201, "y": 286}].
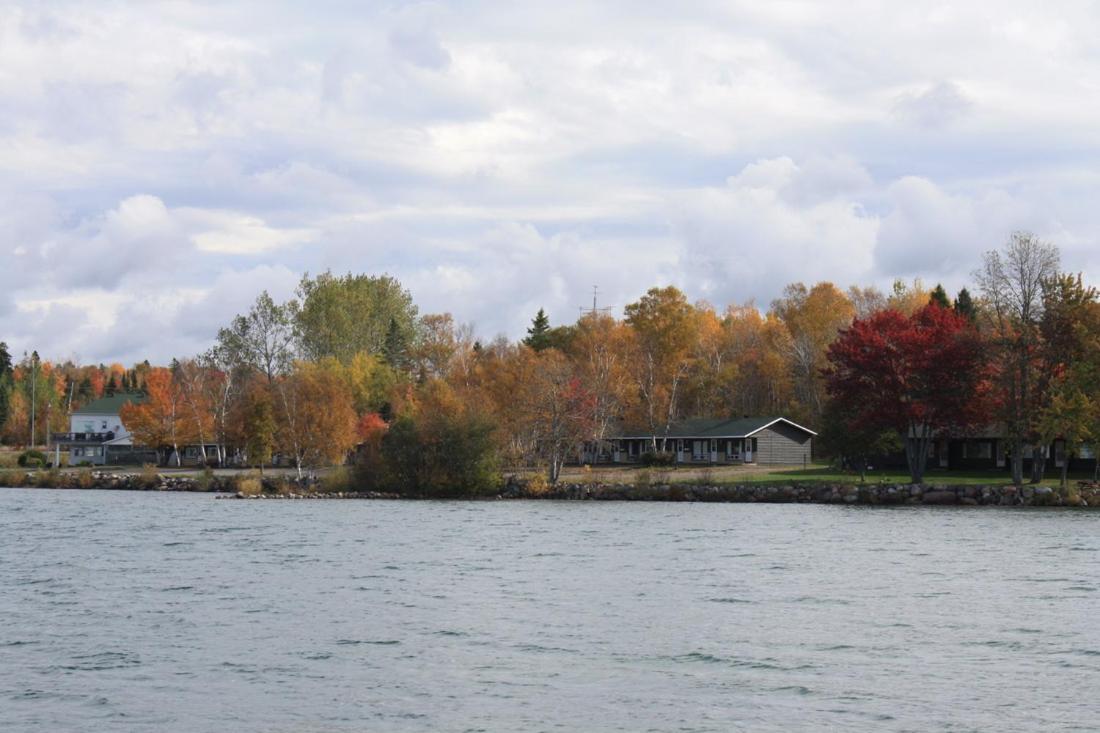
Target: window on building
[
  {"x": 983, "y": 449},
  {"x": 1087, "y": 452},
  {"x": 104, "y": 427}
]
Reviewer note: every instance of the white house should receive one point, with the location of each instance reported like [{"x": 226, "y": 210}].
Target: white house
[{"x": 96, "y": 434}]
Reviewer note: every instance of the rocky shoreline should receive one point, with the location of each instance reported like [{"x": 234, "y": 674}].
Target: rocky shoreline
[
  {"x": 1084, "y": 495},
  {"x": 1081, "y": 494}
]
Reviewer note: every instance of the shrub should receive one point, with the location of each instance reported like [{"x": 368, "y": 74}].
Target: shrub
[
  {"x": 50, "y": 479},
  {"x": 148, "y": 478},
  {"x": 84, "y": 478},
  {"x": 435, "y": 455},
  {"x": 249, "y": 484},
  {"x": 8, "y": 459},
  {"x": 659, "y": 458},
  {"x": 205, "y": 480},
  {"x": 643, "y": 479},
  {"x": 538, "y": 484},
  {"x": 13, "y": 479},
  {"x": 32, "y": 459},
  {"x": 338, "y": 480}
]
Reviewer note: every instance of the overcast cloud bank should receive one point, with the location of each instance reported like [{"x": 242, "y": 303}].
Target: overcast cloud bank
[{"x": 160, "y": 165}]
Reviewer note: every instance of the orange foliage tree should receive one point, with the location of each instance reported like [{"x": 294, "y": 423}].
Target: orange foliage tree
[
  {"x": 157, "y": 421},
  {"x": 316, "y": 422}
]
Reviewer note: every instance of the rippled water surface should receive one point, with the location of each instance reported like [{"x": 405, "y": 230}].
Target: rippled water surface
[{"x": 173, "y": 612}]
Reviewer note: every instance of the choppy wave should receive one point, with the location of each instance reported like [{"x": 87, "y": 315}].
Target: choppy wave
[{"x": 177, "y": 614}]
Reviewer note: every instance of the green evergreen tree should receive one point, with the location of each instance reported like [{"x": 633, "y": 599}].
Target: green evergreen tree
[
  {"x": 395, "y": 348},
  {"x": 84, "y": 390},
  {"x": 5, "y": 383},
  {"x": 939, "y": 297},
  {"x": 964, "y": 305},
  {"x": 538, "y": 335}
]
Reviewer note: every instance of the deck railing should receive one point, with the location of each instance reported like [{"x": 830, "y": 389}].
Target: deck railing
[{"x": 81, "y": 437}]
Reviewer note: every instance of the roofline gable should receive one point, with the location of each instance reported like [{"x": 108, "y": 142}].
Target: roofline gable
[{"x": 781, "y": 419}]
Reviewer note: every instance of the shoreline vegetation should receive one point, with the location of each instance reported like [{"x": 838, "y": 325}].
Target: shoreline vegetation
[
  {"x": 348, "y": 379},
  {"x": 778, "y": 487}
]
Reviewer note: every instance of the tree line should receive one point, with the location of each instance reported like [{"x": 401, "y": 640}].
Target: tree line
[{"x": 349, "y": 364}]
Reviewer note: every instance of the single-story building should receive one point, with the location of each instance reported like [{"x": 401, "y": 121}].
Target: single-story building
[
  {"x": 760, "y": 440},
  {"x": 989, "y": 450}
]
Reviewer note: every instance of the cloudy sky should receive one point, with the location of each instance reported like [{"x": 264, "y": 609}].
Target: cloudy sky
[{"x": 160, "y": 164}]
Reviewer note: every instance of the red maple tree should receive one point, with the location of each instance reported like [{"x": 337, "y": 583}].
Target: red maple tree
[{"x": 924, "y": 376}]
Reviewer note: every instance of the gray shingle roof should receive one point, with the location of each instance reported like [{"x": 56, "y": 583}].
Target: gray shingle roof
[{"x": 738, "y": 427}]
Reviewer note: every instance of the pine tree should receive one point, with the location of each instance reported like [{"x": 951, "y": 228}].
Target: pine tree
[
  {"x": 964, "y": 305},
  {"x": 538, "y": 335},
  {"x": 5, "y": 383},
  {"x": 939, "y": 297},
  {"x": 395, "y": 349}
]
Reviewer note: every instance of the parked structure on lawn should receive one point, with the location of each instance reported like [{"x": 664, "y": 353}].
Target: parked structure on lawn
[{"x": 760, "y": 440}]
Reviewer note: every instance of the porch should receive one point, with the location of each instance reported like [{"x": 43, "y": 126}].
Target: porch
[{"x": 688, "y": 451}]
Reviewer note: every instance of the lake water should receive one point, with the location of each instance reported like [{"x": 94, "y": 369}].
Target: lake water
[{"x": 175, "y": 612}]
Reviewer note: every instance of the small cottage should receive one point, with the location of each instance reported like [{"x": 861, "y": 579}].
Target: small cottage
[{"x": 760, "y": 440}]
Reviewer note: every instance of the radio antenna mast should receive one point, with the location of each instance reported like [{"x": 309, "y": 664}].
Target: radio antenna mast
[{"x": 595, "y": 309}]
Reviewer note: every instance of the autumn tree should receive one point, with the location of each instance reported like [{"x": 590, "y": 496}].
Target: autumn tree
[
  {"x": 441, "y": 446},
  {"x": 758, "y": 344},
  {"x": 1070, "y": 347},
  {"x": 316, "y": 421},
  {"x": 157, "y": 421},
  {"x": 197, "y": 411},
  {"x": 1012, "y": 291},
  {"x": 600, "y": 353},
  {"x": 665, "y": 328},
  {"x": 559, "y": 410},
  {"x": 908, "y": 298},
  {"x": 813, "y": 317},
  {"x": 436, "y": 347},
  {"x": 866, "y": 300},
  {"x": 260, "y": 428},
  {"x": 221, "y": 385},
  {"x": 921, "y": 376}
]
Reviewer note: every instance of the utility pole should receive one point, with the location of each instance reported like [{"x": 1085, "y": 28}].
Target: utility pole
[{"x": 34, "y": 386}]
